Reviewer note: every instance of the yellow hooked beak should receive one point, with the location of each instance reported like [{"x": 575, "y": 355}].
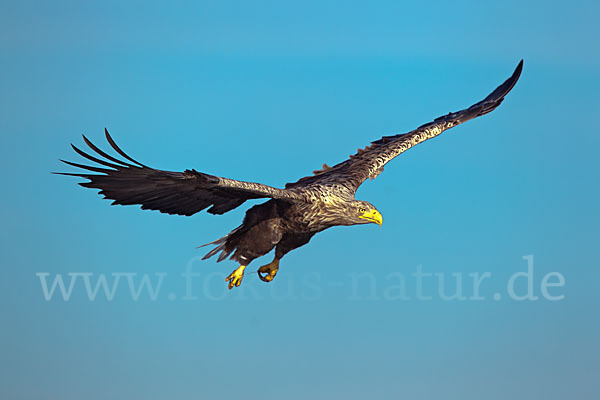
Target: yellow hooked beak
[{"x": 372, "y": 216}]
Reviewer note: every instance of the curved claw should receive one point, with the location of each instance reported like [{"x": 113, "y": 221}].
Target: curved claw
[
  {"x": 269, "y": 271},
  {"x": 268, "y": 277},
  {"x": 235, "y": 278}
]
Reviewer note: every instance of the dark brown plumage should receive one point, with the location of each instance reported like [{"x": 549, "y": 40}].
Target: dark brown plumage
[{"x": 292, "y": 215}]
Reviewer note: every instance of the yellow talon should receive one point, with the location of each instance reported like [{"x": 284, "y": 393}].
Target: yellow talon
[
  {"x": 270, "y": 270},
  {"x": 235, "y": 278}
]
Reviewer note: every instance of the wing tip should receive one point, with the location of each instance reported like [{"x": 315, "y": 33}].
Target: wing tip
[
  {"x": 494, "y": 99},
  {"x": 517, "y": 73},
  {"x": 115, "y": 147},
  {"x": 507, "y": 86}
]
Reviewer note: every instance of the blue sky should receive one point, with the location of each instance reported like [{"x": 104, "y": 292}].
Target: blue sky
[{"x": 268, "y": 91}]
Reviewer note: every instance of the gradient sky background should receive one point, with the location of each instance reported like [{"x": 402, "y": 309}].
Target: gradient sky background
[{"x": 269, "y": 91}]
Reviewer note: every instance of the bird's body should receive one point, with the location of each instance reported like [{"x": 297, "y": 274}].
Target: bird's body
[
  {"x": 274, "y": 223},
  {"x": 291, "y": 216}
]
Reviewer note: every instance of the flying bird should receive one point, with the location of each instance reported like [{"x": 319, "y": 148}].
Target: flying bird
[{"x": 291, "y": 216}]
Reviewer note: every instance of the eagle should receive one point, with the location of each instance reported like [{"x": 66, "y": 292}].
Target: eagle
[{"x": 291, "y": 216}]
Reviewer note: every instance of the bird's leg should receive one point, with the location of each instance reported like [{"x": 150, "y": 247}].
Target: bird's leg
[
  {"x": 235, "y": 278},
  {"x": 270, "y": 270}
]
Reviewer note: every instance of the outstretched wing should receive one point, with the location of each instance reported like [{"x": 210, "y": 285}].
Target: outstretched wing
[
  {"x": 369, "y": 162},
  {"x": 183, "y": 193}
]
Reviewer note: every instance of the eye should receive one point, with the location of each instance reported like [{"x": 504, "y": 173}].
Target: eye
[{"x": 362, "y": 210}]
